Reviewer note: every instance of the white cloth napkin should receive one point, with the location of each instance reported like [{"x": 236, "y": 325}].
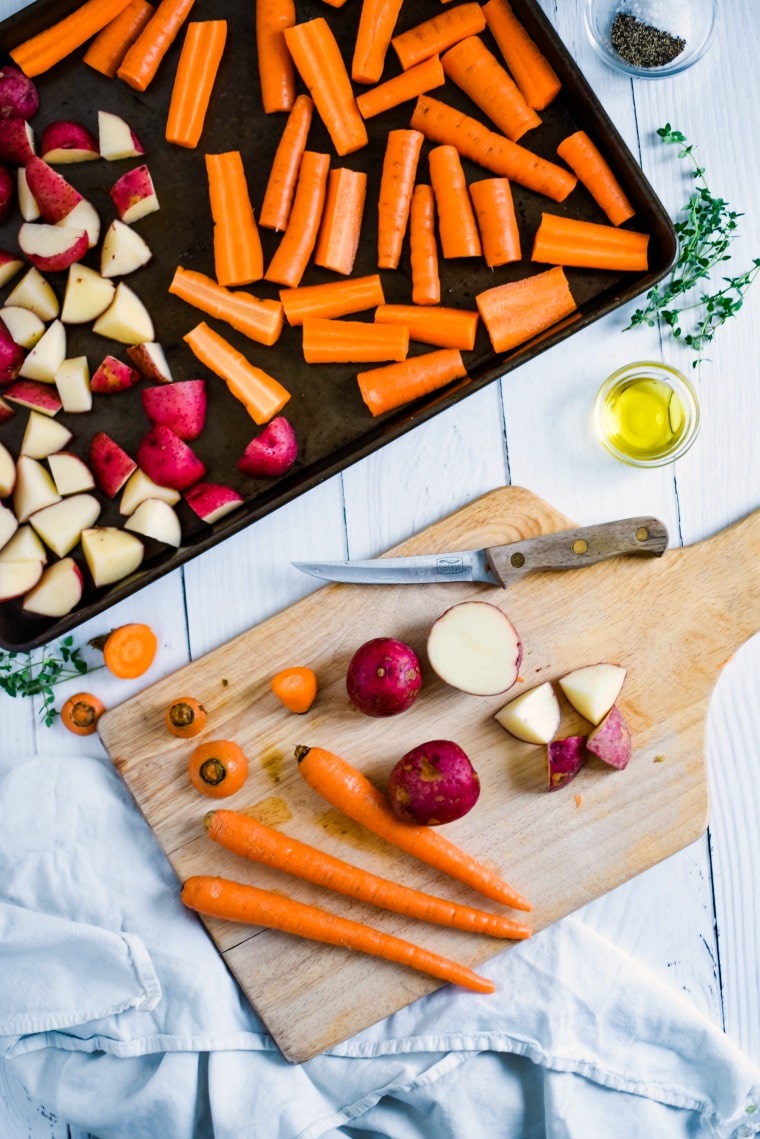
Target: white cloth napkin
[{"x": 118, "y": 1017}]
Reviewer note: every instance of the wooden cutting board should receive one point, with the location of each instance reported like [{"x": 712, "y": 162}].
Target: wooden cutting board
[{"x": 673, "y": 622}]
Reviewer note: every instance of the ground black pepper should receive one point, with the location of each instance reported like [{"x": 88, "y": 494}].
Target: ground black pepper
[{"x": 641, "y": 45}]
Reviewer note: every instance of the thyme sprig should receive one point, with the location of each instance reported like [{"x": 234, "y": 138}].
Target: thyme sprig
[
  {"x": 705, "y": 232},
  {"x": 36, "y": 673}
]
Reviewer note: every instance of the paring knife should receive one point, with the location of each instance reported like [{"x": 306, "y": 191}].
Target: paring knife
[{"x": 503, "y": 565}]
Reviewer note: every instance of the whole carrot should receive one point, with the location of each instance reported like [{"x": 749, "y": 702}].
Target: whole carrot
[
  {"x": 346, "y": 788},
  {"x": 423, "y": 248},
  {"x": 457, "y": 228},
  {"x": 402, "y": 152},
  {"x": 232, "y": 901},
  {"x": 276, "y": 72},
  {"x": 281, "y": 184},
  {"x": 254, "y": 840}
]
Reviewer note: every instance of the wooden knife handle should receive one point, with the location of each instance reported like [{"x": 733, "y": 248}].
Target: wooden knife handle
[{"x": 581, "y": 546}]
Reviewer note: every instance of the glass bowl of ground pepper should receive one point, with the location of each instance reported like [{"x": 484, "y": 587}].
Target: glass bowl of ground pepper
[{"x": 650, "y": 39}]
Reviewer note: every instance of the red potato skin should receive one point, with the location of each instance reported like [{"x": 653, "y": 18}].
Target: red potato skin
[
  {"x": 384, "y": 677},
  {"x": 12, "y": 355},
  {"x": 7, "y": 191},
  {"x": 434, "y": 783},
  {"x": 273, "y": 451},
  {"x": 566, "y": 757},
  {"x": 610, "y": 741},
  {"x": 19, "y": 98}
]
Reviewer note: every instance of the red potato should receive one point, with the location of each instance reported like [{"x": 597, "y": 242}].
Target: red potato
[
  {"x": 134, "y": 195},
  {"x": 34, "y": 489},
  {"x": 8, "y": 523},
  {"x": 156, "y": 519},
  {"x": 10, "y": 265},
  {"x": 434, "y": 783},
  {"x": 19, "y": 98},
  {"x": 36, "y": 293},
  {"x": 212, "y": 501},
  {"x": 272, "y": 452},
  {"x": 474, "y": 647},
  {"x": 34, "y": 395},
  {"x": 116, "y": 138},
  {"x": 111, "y": 554},
  {"x": 60, "y": 525},
  {"x": 150, "y": 360},
  {"x": 565, "y": 759},
  {"x": 55, "y": 196},
  {"x": 65, "y": 141},
  {"x": 611, "y": 740},
  {"x": 167, "y": 459},
  {"x": 52, "y": 248},
  {"x": 7, "y": 191},
  {"x": 84, "y": 216},
  {"x": 110, "y": 464},
  {"x": 17, "y": 145},
  {"x": 12, "y": 355},
  {"x": 384, "y": 677},
  {"x": 7, "y": 474},
  {"x": 123, "y": 250},
  {"x": 113, "y": 375},
  {"x": 16, "y": 578},
  {"x": 180, "y": 406},
  {"x": 58, "y": 591},
  {"x": 6, "y": 411}
]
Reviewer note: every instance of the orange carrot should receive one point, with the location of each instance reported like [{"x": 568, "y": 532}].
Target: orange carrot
[
  {"x": 457, "y": 228},
  {"x": 261, "y": 395},
  {"x": 296, "y": 688},
  {"x": 585, "y": 160},
  {"x": 516, "y": 311},
  {"x": 480, "y": 75},
  {"x": 140, "y": 64},
  {"x": 218, "y": 768},
  {"x": 259, "y": 320},
  {"x": 497, "y": 222},
  {"x": 346, "y": 788},
  {"x": 352, "y": 342},
  {"x": 443, "y": 124},
  {"x": 334, "y": 3},
  {"x": 41, "y": 52},
  {"x": 111, "y": 44},
  {"x": 238, "y": 256},
  {"x": 384, "y": 389},
  {"x": 333, "y": 299},
  {"x": 435, "y": 35},
  {"x": 291, "y": 257},
  {"x": 196, "y": 73},
  {"x": 185, "y": 717},
  {"x": 80, "y": 713},
  {"x": 402, "y": 152},
  {"x": 251, "y": 839},
  {"x": 584, "y": 244},
  {"x": 423, "y": 249},
  {"x": 530, "y": 69},
  {"x": 339, "y": 234},
  {"x": 281, "y": 184},
  {"x": 276, "y": 72},
  {"x": 130, "y": 650},
  {"x": 401, "y": 88},
  {"x": 222, "y": 898},
  {"x": 320, "y": 64},
  {"x": 428, "y": 324},
  {"x": 373, "y": 37}
]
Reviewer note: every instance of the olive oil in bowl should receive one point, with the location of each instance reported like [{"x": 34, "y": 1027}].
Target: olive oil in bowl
[{"x": 647, "y": 414}]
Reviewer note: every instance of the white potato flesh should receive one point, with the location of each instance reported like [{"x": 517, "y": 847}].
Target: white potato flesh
[
  {"x": 533, "y": 716},
  {"x": 593, "y": 690},
  {"x": 474, "y": 646}
]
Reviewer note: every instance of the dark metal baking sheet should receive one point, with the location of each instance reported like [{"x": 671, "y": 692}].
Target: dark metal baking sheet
[{"x": 333, "y": 427}]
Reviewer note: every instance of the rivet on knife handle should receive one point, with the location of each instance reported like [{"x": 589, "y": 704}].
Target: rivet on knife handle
[{"x": 581, "y": 546}]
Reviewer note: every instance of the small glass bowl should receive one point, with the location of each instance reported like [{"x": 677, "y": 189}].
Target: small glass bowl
[
  {"x": 691, "y": 20},
  {"x": 634, "y": 422}
]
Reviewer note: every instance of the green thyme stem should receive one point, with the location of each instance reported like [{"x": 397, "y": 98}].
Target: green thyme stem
[{"x": 38, "y": 672}]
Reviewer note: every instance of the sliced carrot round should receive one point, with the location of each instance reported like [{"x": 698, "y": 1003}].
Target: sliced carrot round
[
  {"x": 80, "y": 713},
  {"x": 296, "y": 688},
  {"x": 218, "y": 768},
  {"x": 185, "y": 717},
  {"x": 129, "y": 651}
]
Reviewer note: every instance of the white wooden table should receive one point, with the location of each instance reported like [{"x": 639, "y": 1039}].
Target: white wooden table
[{"x": 694, "y": 920}]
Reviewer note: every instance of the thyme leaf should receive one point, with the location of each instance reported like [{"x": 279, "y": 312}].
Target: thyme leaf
[{"x": 36, "y": 673}]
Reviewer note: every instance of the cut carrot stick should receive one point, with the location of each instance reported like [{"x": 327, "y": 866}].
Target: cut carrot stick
[
  {"x": 259, "y": 320},
  {"x": 333, "y": 299},
  {"x": 251, "y": 839},
  {"x": 339, "y": 234},
  {"x": 194, "y": 80},
  {"x": 384, "y": 389},
  {"x": 441, "y": 327},
  {"x": 423, "y": 247},
  {"x": 443, "y": 124},
  {"x": 348, "y": 789},
  {"x": 291, "y": 257},
  {"x": 529, "y": 68},
  {"x": 435, "y": 35},
  {"x": 401, "y": 88},
  {"x": 232, "y": 901},
  {"x": 586, "y": 245},
  {"x": 334, "y": 3},
  {"x": 111, "y": 44},
  {"x": 140, "y": 64},
  {"x": 41, "y": 52},
  {"x": 320, "y": 64},
  {"x": 516, "y": 311},
  {"x": 261, "y": 395},
  {"x": 238, "y": 256},
  {"x": 480, "y": 75},
  {"x": 457, "y": 228},
  {"x": 585, "y": 160},
  {"x": 377, "y": 20},
  {"x": 352, "y": 342},
  {"x": 281, "y": 185},
  {"x": 495, "y": 211},
  {"x": 277, "y": 76},
  {"x": 402, "y": 152}
]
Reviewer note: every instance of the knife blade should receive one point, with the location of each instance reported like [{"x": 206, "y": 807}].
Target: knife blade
[{"x": 503, "y": 565}]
